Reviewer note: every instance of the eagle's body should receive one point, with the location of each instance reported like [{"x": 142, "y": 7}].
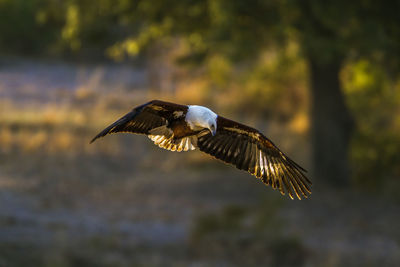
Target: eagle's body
[{"x": 186, "y": 127}]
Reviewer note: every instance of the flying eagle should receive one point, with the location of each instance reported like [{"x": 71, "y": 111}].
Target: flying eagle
[{"x": 186, "y": 127}]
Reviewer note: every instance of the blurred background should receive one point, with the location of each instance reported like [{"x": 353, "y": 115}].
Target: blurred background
[{"x": 320, "y": 78}]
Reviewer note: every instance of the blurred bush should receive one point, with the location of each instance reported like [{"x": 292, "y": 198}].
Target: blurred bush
[
  {"x": 374, "y": 98},
  {"x": 29, "y": 26}
]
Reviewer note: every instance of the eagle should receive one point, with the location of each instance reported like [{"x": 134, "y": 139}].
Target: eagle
[{"x": 177, "y": 127}]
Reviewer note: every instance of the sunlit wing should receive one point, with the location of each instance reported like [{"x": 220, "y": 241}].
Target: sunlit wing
[{"x": 248, "y": 149}]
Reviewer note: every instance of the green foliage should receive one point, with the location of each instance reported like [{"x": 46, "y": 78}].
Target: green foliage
[
  {"x": 374, "y": 100},
  {"x": 275, "y": 85},
  {"x": 238, "y": 30},
  {"x": 332, "y": 30},
  {"x": 28, "y": 26}
]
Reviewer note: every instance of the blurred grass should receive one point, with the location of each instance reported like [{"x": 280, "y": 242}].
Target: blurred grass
[
  {"x": 258, "y": 234},
  {"x": 52, "y": 128}
]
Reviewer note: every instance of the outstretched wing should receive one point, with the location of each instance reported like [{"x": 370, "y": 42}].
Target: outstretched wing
[
  {"x": 145, "y": 119},
  {"x": 249, "y": 150}
]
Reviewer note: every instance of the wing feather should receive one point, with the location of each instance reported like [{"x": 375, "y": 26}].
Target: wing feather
[
  {"x": 221, "y": 148},
  {"x": 278, "y": 175},
  {"x": 285, "y": 180},
  {"x": 266, "y": 175},
  {"x": 292, "y": 182},
  {"x": 272, "y": 171},
  {"x": 248, "y": 149},
  {"x": 252, "y": 162},
  {"x": 231, "y": 150},
  {"x": 144, "y": 118},
  {"x": 241, "y": 159},
  {"x": 247, "y": 156}
]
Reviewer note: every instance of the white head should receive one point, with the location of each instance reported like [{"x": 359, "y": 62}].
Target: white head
[{"x": 199, "y": 118}]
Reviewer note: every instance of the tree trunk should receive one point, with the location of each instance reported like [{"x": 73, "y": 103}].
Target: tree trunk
[{"x": 332, "y": 124}]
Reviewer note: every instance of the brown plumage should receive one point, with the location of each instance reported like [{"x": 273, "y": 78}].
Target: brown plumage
[{"x": 181, "y": 128}]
